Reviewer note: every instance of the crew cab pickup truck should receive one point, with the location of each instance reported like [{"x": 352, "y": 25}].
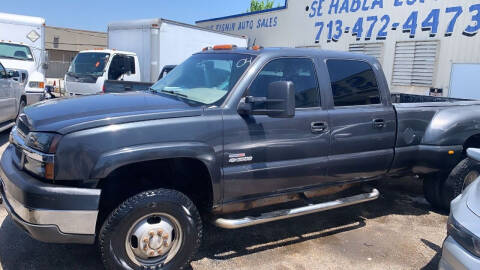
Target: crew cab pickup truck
[
  {"x": 224, "y": 136},
  {"x": 12, "y": 98}
]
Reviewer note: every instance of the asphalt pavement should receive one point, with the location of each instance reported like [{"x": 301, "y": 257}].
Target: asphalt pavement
[{"x": 397, "y": 231}]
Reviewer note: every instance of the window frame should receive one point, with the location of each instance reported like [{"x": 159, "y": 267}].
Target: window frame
[
  {"x": 131, "y": 60},
  {"x": 375, "y": 72},
  {"x": 312, "y": 59}
]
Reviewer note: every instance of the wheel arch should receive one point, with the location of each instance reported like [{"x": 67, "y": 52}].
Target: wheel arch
[
  {"x": 472, "y": 141},
  {"x": 142, "y": 170}
]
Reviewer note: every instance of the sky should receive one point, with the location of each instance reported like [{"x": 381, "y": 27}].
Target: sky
[{"x": 95, "y": 15}]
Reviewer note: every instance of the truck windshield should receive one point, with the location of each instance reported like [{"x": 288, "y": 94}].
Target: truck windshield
[
  {"x": 92, "y": 64},
  {"x": 204, "y": 78},
  {"x": 15, "y": 51}
]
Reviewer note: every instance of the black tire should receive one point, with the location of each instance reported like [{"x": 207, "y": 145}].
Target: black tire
[
  {"x": 432, "y": 189},
  {"x": 114, "y": 231},
  {"x": 461, "y": 176}
]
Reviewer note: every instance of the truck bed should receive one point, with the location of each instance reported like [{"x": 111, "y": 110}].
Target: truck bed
[{"x": 409, "y": 100}]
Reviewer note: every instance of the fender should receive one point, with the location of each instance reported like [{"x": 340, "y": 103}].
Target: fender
[
  {"x": 110, "y": 161},
  {"x": 453, "y": 126}
]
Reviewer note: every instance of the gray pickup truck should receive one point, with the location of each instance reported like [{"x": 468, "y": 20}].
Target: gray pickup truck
[
  {"x": 12, "y": 98},
  {"x": 234, "y": 136}
]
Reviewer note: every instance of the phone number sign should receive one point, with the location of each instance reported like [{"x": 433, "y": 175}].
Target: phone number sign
[{"x": 379, "y": 26}]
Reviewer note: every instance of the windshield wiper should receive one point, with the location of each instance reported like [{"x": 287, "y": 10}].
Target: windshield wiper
[
  {"x": 171, "y": 92},
  {"x": 73, "y": 74}
]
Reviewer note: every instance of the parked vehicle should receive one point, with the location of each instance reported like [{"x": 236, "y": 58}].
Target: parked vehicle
[
  {"x": 227, "y": 132},
  {"x": 22, "y": 48},
  {"x": 12, "y": 98},
  {"x": 90, "y": 69},
  {"x": 461, "y": 249}
]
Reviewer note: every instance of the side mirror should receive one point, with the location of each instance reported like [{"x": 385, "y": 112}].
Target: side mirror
[
  {"x": 279, "y": 103},
  {"x": 45, "y": 66},
  {"x": 14, "y": 74}
]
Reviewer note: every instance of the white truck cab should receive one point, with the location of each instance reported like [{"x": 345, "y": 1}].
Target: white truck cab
[
  {"x": 22, "y": 48},
  {"x": 91, "y": 68}
]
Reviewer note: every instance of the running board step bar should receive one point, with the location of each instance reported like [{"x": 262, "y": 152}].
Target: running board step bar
[{"x": 295, "y": 212}]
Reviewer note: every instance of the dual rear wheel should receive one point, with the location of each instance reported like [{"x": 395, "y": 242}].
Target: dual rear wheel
[{"x": 441, "y": 189}]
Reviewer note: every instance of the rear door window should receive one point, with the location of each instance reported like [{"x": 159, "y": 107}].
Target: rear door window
[
  {"x": 353, "y": 83},
  {"x": 300, "y": 71}
]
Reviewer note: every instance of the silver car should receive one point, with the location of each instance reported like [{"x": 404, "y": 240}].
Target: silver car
[
  {"x": 461, "y": 249},
  {"x": 12, "y": 98}
]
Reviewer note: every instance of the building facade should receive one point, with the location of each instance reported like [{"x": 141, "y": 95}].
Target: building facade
[
  {"x": 425, "y": 46},
  {"x": 63, "y": 44}
]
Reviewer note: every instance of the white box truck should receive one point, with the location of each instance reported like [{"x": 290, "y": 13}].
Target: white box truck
[
  {"x": 138, "y": 51},
  {"x": 22, "y": 48}
]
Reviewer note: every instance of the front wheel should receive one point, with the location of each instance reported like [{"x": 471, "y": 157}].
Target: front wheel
[{"x": 159, "y": 229}]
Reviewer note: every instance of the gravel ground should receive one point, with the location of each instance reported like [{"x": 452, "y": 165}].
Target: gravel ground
[{"x": 397, "y": 231}]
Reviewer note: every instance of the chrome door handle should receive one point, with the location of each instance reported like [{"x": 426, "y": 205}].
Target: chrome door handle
[
  {"x": 378, "y": 123},
  {"x": 318, "y": 127}
]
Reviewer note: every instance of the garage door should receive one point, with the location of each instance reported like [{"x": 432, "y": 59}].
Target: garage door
[{"x": 465, "y": 81}]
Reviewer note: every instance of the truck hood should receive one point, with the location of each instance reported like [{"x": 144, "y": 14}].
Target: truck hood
[
  {"x": 67, "y": 115},
  {"x": 18, "y": 64},
  {"x": 473, "y": 197}
]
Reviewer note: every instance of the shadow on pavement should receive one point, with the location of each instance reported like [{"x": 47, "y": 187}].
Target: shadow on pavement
[
  {"x": 19, "y": 251},
  {"x": 399, "y": 197},
  {"x": 433, "y": 264}
]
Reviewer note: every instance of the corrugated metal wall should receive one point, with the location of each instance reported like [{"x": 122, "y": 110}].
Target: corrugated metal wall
[{"x": 344, "y": 24}]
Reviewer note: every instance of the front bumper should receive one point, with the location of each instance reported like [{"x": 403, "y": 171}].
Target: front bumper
[
  {"x": 49, "y": 213},
  {"x": 34, "y": 97},
  {"x": 455, "y": 257}
]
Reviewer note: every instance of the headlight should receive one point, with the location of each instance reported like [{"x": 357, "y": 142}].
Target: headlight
[
  {"x": 41, "y": 160},
  {"x": 37, "y": 85},
  {"x": 43, "y": 142},
  {"x": 464, "y": 237}
]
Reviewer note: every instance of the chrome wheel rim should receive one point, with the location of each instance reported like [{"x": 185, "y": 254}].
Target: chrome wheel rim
[
  {"x": 470, "y": 178},
  {"x": 154, "y": 239}
]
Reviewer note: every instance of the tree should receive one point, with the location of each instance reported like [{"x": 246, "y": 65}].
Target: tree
[{"x": 257, "y": 5}]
